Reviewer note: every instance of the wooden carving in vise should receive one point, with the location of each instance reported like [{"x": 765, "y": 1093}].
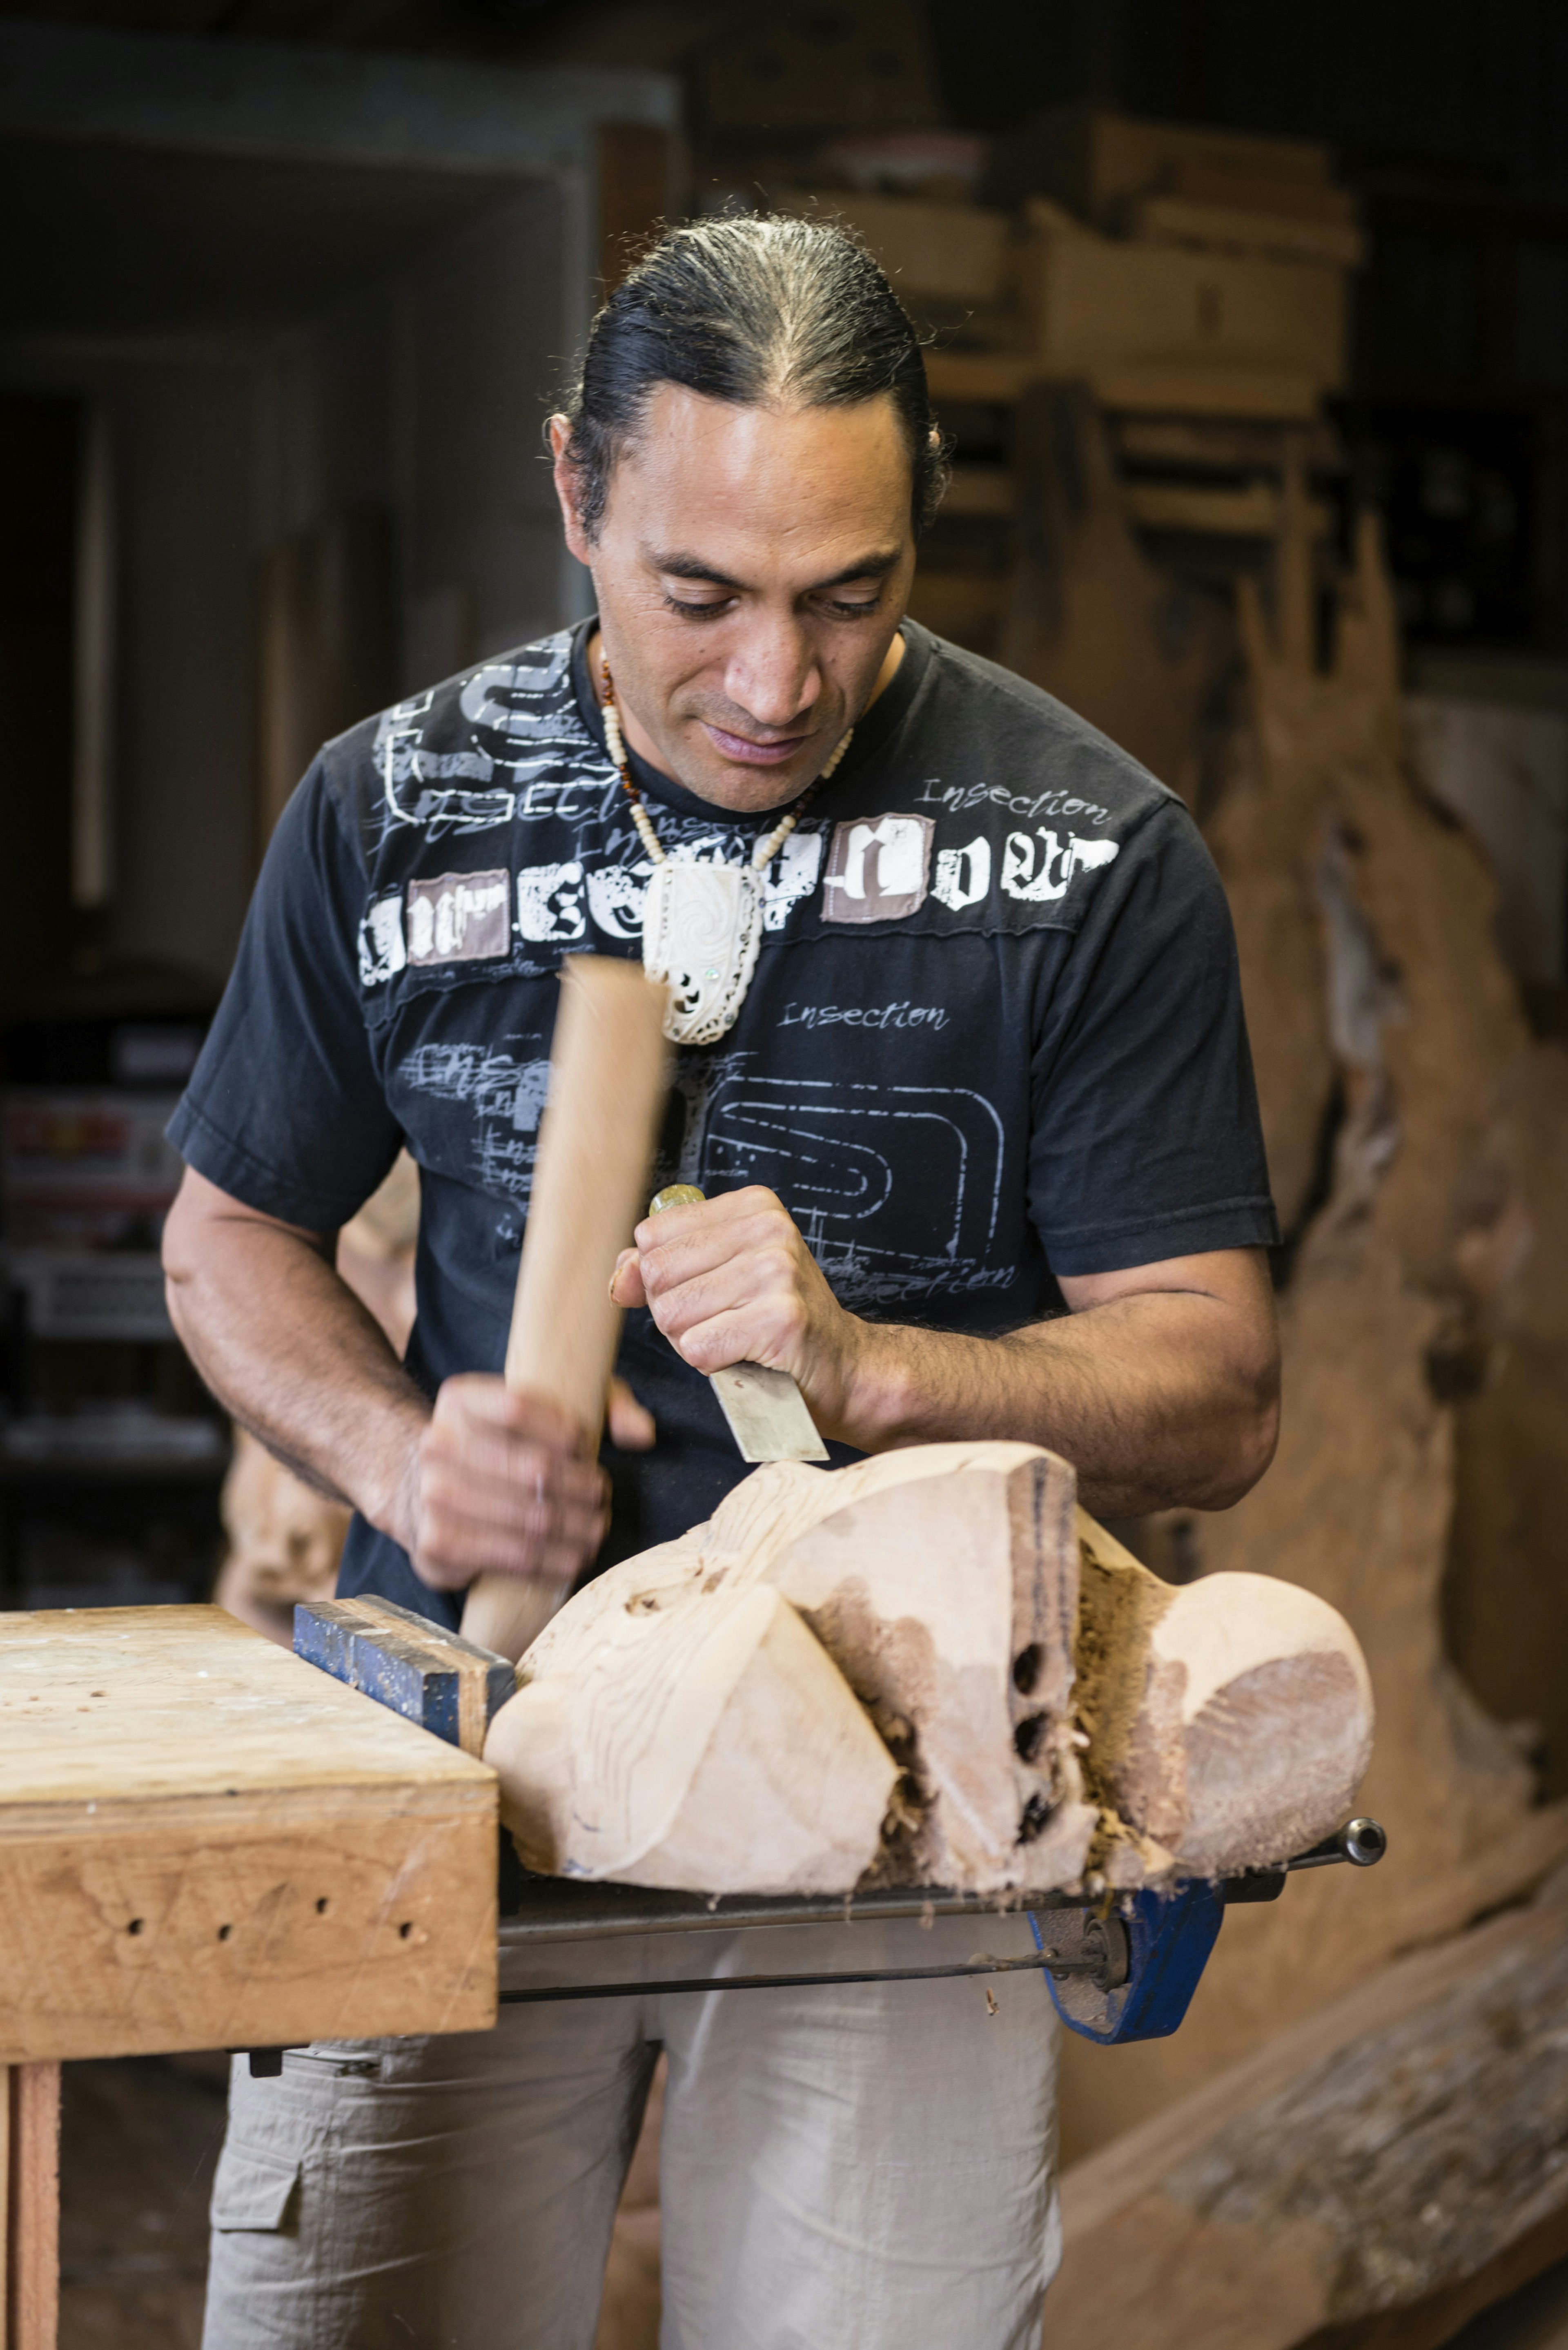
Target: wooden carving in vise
[
  {"x": 1354, "y": 895},
  {"x": 927, "y": 1668},
  {"x": 1140, "y": 654}
]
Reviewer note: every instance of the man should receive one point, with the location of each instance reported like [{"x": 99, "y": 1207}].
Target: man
[{"x": 988, "y": 1064}]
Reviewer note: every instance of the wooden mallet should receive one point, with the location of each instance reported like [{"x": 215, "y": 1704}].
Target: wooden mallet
[{"x": 609, "y": 1069}]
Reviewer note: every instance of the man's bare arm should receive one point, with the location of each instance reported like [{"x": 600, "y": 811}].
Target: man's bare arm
[
  {"x": 484, "y": 1481},
  {"x": 1161, "y": 1385}
]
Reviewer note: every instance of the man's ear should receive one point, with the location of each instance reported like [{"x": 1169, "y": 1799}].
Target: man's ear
[{"x": 569, "y": 483}]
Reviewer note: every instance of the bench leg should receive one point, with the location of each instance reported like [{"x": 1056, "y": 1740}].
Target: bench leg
[{"x": 30, "y": 2205}]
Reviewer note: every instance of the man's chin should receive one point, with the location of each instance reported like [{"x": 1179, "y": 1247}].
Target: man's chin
[{"x": 745, "y": 785}]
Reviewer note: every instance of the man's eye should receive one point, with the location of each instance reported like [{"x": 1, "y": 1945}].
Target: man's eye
[
  {"x": 844, "y": 607},
  {"x": 689, "y": 611}
]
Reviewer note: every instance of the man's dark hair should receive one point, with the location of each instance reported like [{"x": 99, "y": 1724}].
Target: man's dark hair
[{"x": 756, "y": 311}]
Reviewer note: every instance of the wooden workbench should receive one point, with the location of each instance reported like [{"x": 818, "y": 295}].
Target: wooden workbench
[{"x": 205, "y": 1843}]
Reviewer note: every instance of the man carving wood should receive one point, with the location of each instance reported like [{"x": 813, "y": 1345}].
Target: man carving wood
[{"x": 963, "y": 1069}]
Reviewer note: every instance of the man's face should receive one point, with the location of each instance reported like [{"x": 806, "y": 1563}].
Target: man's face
[{"x": 752, "y": 568}]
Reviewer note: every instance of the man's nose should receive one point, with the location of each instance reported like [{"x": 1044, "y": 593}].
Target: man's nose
[{"x": 773, "y": 675}]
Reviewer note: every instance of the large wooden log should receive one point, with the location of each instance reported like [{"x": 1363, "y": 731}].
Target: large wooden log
[
  {"x": 1041, "y": 1700},
  {"x": 1345, "y": 2183}
]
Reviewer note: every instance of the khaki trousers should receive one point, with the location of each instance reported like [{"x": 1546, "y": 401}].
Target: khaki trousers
[{"x": 869, "y": 2166}]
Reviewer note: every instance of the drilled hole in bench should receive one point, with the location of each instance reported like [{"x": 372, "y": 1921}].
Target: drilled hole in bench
[
  {"x": 1026, "y": 1668},
  {"x": 134, "y": 1927},
  {"x": 321, "y": 1906},
  {"x": 405, "y": 1930},
  {"x": 224, "y": 1933}
]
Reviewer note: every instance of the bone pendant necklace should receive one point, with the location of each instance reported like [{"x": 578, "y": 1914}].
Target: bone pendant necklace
[{"x": 702, "y": 924}]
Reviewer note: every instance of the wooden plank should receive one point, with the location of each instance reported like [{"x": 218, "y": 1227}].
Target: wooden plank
[
  {"x": 1152, "y": 389},
  {"x": 1222, "y": 446},
  {"x": 206, "y": 1843},
  {"x": 1252, "y": 512},
  {"x": 1232, "y": 228},
  {"x": 1366, "y": 2159},
  {"x": 33, "y": 2208},
  {"x": 1094, "y": 158},
  {"x": 1100, "y": 302},
  {"x": 1143, "y": 387},
  {"x": 954, "y": 252}
]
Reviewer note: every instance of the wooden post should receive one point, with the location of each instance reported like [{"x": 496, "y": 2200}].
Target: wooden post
[
  {"x": 31, "y": 2168},
  {"x": 608, "y": 1070}
]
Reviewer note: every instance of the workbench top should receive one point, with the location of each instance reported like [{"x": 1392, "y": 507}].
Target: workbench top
[{"x": 206, "y": 1843}]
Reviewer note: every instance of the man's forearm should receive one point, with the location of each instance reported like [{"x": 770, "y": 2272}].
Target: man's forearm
[
  {"x": 1142, "y": 1394},
  {"x": 298, "y": 1360}
]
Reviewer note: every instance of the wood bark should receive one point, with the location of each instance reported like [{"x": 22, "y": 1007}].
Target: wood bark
[
  {"x": 1039, "y": 1700},
  {"x": 1350, "y": 2175}
]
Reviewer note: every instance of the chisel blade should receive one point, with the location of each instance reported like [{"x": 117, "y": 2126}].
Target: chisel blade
[
  {"x": 767, "y": 1414},
  {"x": 765, "y": 1409}
]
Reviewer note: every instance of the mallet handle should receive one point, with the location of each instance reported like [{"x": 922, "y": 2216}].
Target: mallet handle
[{"x": 609, "y": 1073}]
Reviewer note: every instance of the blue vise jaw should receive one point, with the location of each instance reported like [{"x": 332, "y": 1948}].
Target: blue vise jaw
[{"x": 1130, "y": 1974}]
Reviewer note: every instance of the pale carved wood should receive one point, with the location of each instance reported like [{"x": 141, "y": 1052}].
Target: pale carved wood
[{"x": 869, "y": 1674}]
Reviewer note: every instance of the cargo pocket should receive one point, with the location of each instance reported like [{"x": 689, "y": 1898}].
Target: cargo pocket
[{"x": 254, "y": 2190}]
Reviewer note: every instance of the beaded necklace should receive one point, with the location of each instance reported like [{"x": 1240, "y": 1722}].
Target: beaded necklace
[{"x": 702, "y": 924}]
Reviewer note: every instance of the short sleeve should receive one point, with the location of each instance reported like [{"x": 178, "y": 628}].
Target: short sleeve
[
  {"x": 285, "y": 1109},
  {"x": 1147, "y": 1142}
]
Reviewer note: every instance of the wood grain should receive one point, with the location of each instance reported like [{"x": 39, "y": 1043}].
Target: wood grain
[
  {"x": 609, "y": 1073},
  {"x": 206, "y": 1843},
  {"x": 32, "y": 2207},
  {"x": 1363, "y": 2164}
]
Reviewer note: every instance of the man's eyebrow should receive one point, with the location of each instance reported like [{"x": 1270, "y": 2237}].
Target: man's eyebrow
[{"x": 691, "y": 567}]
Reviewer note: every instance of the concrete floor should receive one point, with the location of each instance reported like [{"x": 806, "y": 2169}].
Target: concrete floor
[{"x": 139, "y": 2143}]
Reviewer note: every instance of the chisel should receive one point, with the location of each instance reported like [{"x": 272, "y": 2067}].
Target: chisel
[{"x": 765, "y": 1409}]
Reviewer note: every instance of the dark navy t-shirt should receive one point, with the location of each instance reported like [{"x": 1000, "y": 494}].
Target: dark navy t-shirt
[{"x": 995, "y": 1035}]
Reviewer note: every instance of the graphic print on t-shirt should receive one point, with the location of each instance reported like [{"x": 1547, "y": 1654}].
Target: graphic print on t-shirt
[
  {"x": 877, "y": 869},
  {"x": 865, "y": 1167}
]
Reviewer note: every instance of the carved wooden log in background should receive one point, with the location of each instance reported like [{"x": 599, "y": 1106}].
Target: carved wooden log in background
[
  {"x": 1333, "y": 862},
  {"x": 681, "y": 1725}
]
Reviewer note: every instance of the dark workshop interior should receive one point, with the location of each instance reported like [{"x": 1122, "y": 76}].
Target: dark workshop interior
[{"x": 1249, "y": 328}]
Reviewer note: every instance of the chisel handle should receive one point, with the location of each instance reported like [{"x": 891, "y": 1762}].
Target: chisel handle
[{"x": 609, "y": 1074}]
